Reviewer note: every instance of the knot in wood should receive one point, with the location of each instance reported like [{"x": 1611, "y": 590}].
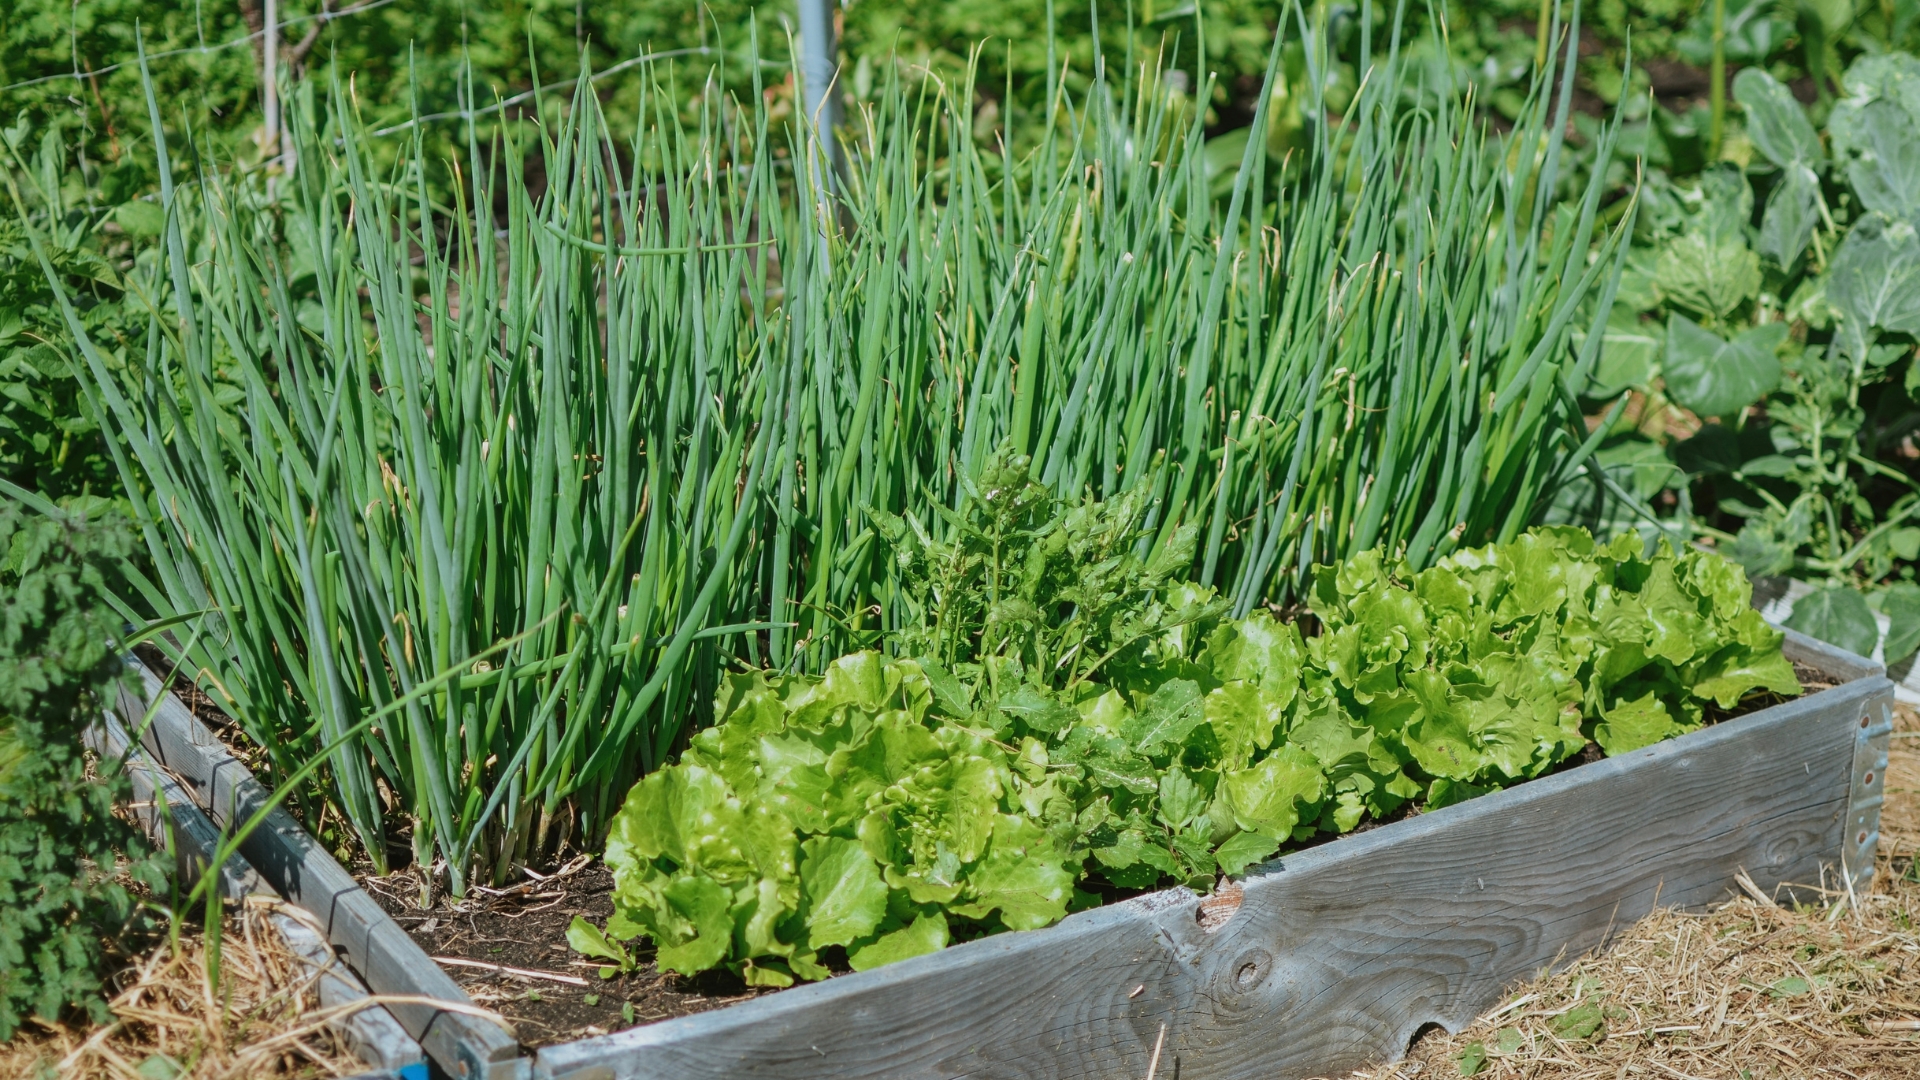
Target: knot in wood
[{"x": 1250, "y": 969}]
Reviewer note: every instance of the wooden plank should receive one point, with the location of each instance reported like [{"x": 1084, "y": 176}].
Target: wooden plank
[
  {"x": 298, "y": 868},
  {"x": 1336, "y": 955},
  {"x": 175, "y": 823}
]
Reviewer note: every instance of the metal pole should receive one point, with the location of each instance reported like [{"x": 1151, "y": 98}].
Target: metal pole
[
  {"x": 818, "y": 70},
  {"x": 270, "y": 77}
]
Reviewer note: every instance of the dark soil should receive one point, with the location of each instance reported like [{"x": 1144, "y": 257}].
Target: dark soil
[{"x": 525, "y": 927}]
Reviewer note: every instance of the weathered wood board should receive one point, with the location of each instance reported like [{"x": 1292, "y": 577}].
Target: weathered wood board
[
  {"x": 298, "y": 868},
  {"x": 1338, "y": 954},
  {"x": 175, "y": 823}
]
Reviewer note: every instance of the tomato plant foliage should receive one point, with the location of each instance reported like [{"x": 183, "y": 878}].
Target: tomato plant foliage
[{"x": 1066, "y": 714}]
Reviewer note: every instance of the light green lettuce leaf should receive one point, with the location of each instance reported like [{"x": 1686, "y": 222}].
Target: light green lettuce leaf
[
  {"x": 845, "y": 898},
  {"x": 1244, "y": 849},
  {"x": 1634, "y": 724},
  {"x": 926, "y": 934},
  {"x": 1021, "y": 877},
  {"x": 1244, "y": 717},
  {"x": 692, "y": 926},
  {"x": 1272, "y": 796}
]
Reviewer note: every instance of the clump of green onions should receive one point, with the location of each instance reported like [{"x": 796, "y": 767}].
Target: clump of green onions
[{"x": 564, "y": 456}]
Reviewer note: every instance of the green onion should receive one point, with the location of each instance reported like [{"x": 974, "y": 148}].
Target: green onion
[{"x": 642, "y": 424}]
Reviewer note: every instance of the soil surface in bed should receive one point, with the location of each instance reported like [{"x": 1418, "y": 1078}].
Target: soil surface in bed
[
  {"x": 554, "y": 994},
  {"x": 507, "y": 947}
]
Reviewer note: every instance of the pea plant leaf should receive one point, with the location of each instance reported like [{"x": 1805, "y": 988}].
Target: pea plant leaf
[
  {"x": 1874, "y": 281},
  {"x": 1629, "y": 351},
  {"x": 1838, "y": 615},
  {"x": 1776, "y": 123},
  {"x": 1901, "y": 604},
  {"x": 1793, "y": 211},
  {"x": 1711, "y": 276},
  {"x": 1712, "y": 376},
  {"x": 1876, "y": 132}
]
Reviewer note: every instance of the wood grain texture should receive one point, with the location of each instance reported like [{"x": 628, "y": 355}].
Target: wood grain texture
[
  {"x": 175, "y": 823},
  {"x": 299, "y": 869},
  {"x": 1338, "y": 954}
]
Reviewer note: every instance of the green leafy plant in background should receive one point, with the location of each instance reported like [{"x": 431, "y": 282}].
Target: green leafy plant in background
[
  {"x": 49, "y": 443},
  {"x": 1777, "y": 307},
  {"x": 373, "y": 471},
  {"x": 64, "y": 900},
  {"x": 892, "y": 805}
]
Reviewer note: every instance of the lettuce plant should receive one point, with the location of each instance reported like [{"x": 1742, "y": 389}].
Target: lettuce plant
[{"x": 892, "y": 805}]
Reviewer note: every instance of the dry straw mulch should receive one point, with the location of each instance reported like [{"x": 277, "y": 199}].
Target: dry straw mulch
[
  {"x": 171, "y": 1023},
  {"x": 1749, "y": 991}
]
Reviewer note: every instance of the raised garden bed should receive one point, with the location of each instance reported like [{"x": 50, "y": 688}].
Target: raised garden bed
[{"x": 1322, "y": 960}]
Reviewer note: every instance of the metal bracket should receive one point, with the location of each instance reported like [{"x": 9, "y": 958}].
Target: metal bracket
[{"x": 1866, "y": 790}]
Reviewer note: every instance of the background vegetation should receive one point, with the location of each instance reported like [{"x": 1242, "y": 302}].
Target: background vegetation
[
  {"x": 974, "y": 258},
  {"x": 64, "y": 899}
]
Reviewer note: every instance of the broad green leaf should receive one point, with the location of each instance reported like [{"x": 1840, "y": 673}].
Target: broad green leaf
[
  {"x": 1334, "y": 739},
  {"x": 702, "y": 909},
  {"x": 1259, "y": 649},
  {"x": 1473, "y": 1060},
  {"x": 140, "y": 218},
  {"x": 1793, "y": 212},
  {"x": 1751, "y": 31},
  {"x": 1021, "y": 876},
  {"x": 1631, "y": 725},
  {"x": 672, "y": 813},
  {"x": 1838, "y": 615},
  {"x": 1181, "y": 800},
  {"x": 1136, "y": 859},
  {"x": 1243, "y": 849},
  {"x": 1712, "y": 376},
  {"x": 758, "y": 913},
  {"x": 1629, "y": 348},
  {"x": 1901, "y": 604},
  {"x": 1166, "y": 718},
  {"x": 1712, "y": 277},
  {"x": 793, "y": 776},
  {"x": 1776, "y": 123},
  {"x": 1876, "y": 132},
  {"x": 1441, "y": 736},
  {"x": 589, "y": 940},
  {"x": 1445, "y": 792},
  {"x": 1269, "y": 797},
  {"x": 1037, "y": 709},
  {"x": 1109, "y": 762},
  {"x": 1740, "y": 669},
  {"x": 1638, "y": 464},
  {"x": 1874, "y": 282},
  {"x": 1243, "y": 717},
  {"x": 1584, "y": 1021},
  {"x": 1791, "y": 986},
  {"x": 845, "y": 898},
  {"x": 926, "y": 934}
]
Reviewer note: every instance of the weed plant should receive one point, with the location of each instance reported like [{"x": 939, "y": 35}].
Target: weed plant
[{"x": 63, "y": 898}]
